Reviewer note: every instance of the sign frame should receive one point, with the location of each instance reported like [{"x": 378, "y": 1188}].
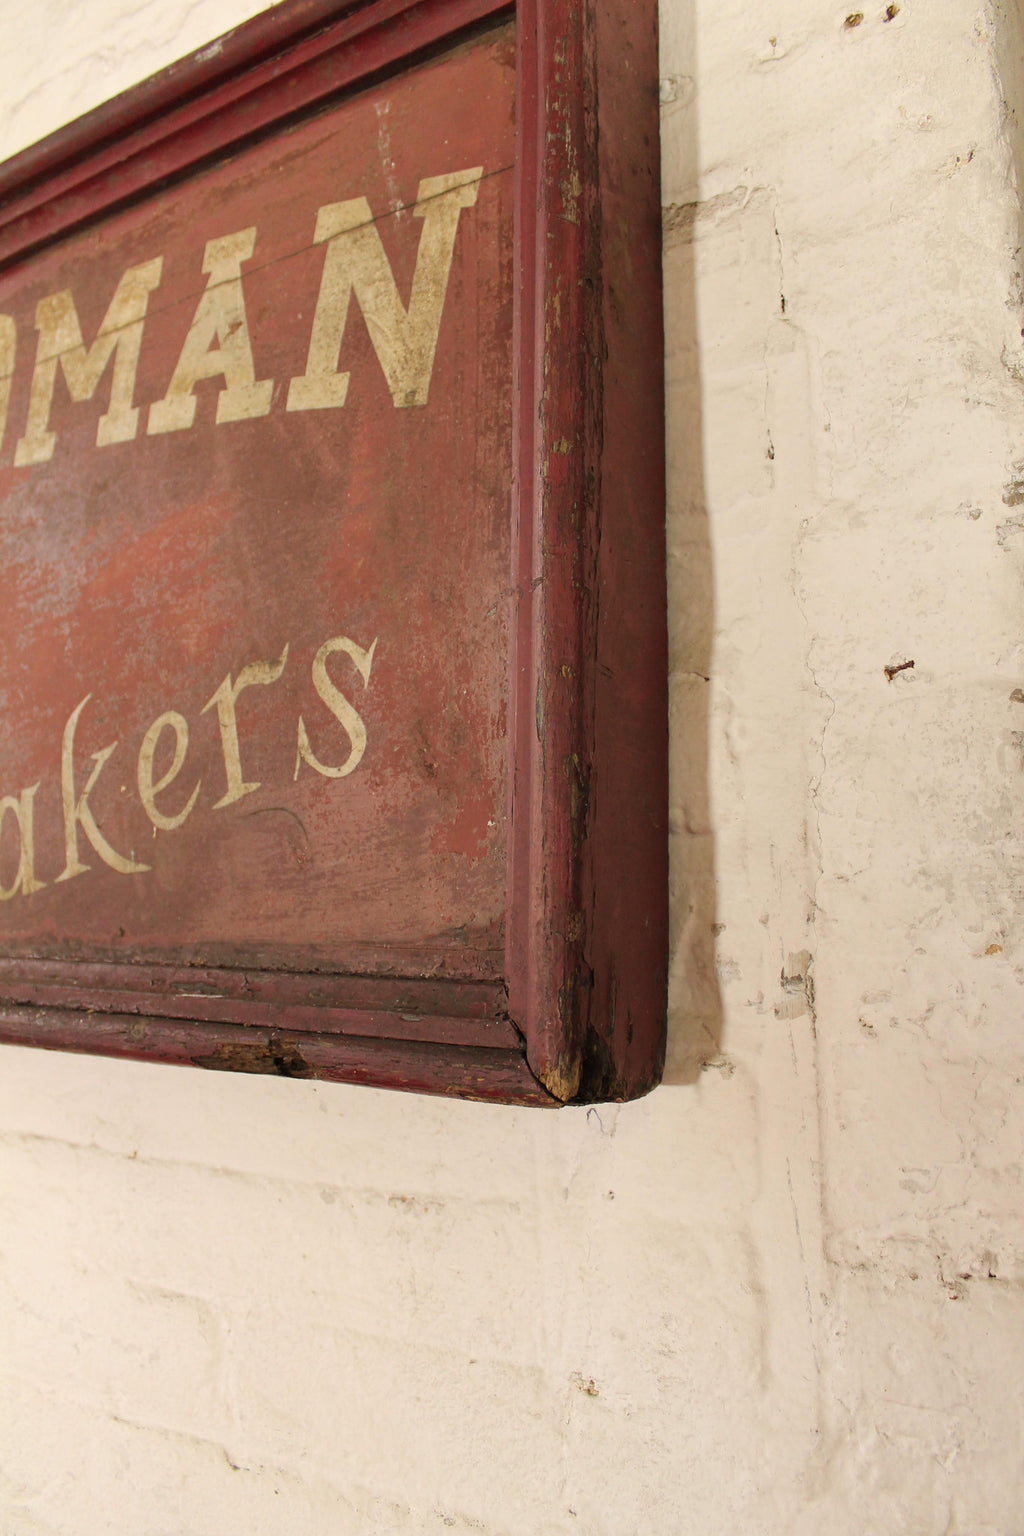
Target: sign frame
[{"x": 579, "y": 1012}]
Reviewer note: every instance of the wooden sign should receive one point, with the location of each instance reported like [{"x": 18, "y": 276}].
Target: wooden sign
[{"x": 333, "y": 633}]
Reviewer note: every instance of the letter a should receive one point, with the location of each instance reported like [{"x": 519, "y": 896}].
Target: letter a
[
  {"x": 405, "y": 340},
  {"x": 25, "y": 879},
  {"x": 220, "y": 317}
]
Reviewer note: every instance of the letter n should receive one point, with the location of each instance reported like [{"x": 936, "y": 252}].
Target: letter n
[{"x": 404, "y": 340}]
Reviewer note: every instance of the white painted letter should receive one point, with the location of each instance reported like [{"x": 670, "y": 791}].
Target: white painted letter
[
  {"x": 405, "y": 340},
  {"x": 259, "y": 672},
  {"x": 60, "y": 342},
  {"x": 339, "y": 707},
  {"x": 148, "y": 791},
  {"x": 25, "y": 879},
  {"x": 76, "y": 814},
  {"x": 8, "y": 342},
  {"x": 220, "y": 317}
]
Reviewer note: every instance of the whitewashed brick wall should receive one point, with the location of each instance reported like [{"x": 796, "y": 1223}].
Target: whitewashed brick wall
[{"x": 785, "y": 1293}]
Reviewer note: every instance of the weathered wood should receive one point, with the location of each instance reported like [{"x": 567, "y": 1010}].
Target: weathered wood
[
  {"x": 625, "y": 873},
  {"x": 333, "y": 641},
  {"x": 588, "y": 894},
  {"x": 454, "y": 1070},
  {"x": 214, "y": 553},
  {"x": 472, "y": 1013}
]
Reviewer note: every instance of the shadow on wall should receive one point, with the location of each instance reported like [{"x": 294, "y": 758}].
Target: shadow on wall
[{"x": 695, "y": 1003}]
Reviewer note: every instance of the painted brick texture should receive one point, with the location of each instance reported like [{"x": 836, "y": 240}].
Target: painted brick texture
[{"x": 784, "y": 1293}]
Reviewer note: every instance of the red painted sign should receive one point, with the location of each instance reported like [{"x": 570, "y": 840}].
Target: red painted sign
[
  {"x": 262, "y": 574},
  {"x": 256, "y": 529}
]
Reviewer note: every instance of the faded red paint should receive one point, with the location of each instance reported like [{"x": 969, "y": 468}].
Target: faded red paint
[
  {"x": 480, "y": 906},
  {"x": 148, "y": 570}
]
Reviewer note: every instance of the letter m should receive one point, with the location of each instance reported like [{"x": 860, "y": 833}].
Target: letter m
[{"x": 60, "y": 343}]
